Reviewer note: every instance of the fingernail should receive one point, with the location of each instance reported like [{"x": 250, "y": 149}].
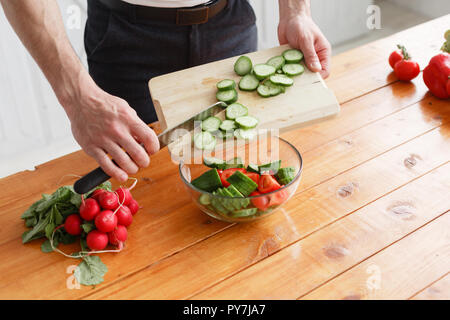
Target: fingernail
[{"x": 316, "y": 65}]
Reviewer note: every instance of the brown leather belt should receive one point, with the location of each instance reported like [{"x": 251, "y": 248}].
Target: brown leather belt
[{"x": 180, "y": 16}]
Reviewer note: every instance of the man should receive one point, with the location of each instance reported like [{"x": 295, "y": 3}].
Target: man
[{"x": 130, "y": 41}]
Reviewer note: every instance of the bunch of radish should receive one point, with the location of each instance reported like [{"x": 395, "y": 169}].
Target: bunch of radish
[{"x": 111, "y": 211}]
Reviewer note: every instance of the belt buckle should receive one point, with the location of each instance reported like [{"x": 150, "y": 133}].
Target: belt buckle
[{"x": 192, "y": 16}]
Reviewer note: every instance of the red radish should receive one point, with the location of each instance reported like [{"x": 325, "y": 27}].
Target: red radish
[
  {"x": 97, "y": 193},
  {"x": 119, "y": 234},
  {"x": 124, "y": 195},
  {"x": 89, "y": 209},
  {"x": 108, "y": 200},
  {"x": 106, "y": 221},
  {"x": 97, "y": 240},
  {"x": 133, "y": 206},
  {"x": 73, "y": 224},
  {"x": 124, "y": 216}
]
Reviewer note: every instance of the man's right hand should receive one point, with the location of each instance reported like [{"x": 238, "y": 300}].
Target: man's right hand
[{"x": 104, "y": 124}]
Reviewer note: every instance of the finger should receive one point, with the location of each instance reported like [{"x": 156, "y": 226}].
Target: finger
[
  {"x": 135, "y": 151},
  {"x": 324, "y": 53},
  {"x": 121, "y": 158},
  {"x": 107, "y": 165},
  {"x": 282, "y": 35},
  {"x": 147, "y": 137},
  {"x": 311, "y": 58}
]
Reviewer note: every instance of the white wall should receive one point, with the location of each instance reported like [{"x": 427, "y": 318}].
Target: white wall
[
  {"x": 430, "y": 8},
  {"x": 33, "y": 126}
]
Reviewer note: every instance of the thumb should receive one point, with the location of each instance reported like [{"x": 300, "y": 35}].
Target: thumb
[{"x": 311, "y": 58}]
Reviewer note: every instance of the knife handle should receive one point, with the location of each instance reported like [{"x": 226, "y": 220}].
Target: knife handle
[{"x": 90, "y": 181}]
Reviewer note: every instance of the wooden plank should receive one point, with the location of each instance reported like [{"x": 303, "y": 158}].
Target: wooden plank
[
  {"x": 398, "y": 271},
  {"x": 439, "y": 290},
  {"x": 187, "y": 223},
  {"x": 366, "y": 68},
  {"x": 178, "y": 96},
  {"x": 308, "y": 263},
  {"x": 199, "y": 266}
]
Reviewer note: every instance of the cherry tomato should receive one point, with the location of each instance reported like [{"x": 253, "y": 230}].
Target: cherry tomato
[
  {"x": 395, "y": 57},
  {"x": 254, "y": 176},
  {"x": 227, "y": 173},
  {"x": 262, "y": 203},
  {"x": 278, "y": 197},
  {"x": 267, "y": 183},
  {"x": 406, "y": 70}
]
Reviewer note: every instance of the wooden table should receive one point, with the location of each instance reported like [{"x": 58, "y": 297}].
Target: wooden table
[{"x": 369, "y": 221}]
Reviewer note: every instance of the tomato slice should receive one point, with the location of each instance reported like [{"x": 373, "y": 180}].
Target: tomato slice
[
  {"x": 278, "y": 197},
  {"x": 227, "y": 173},
  {"x": 267, "y": 183},
  {"x": 262, "y": 203},
  {"x": 254, "y": 176}
]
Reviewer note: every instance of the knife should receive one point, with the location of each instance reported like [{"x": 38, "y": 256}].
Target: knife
[{"x": 98, "y": 176}]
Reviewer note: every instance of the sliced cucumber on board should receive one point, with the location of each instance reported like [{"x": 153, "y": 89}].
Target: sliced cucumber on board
[
  {"x": 204, "y": 141},
  {"x": 247, "y": 122},
  {"x": 248, "y": 82},
  {"x": 292, "y": 56},
  {"x": 226, "y": 84},
  {"x": 243, "y": 65},
  {"x": 293, "y": 69},
  {"x": 263, "y": 71},
  {"x": 227, "y": 125},
  {"x": 227, "y": 96},
  {"x": 244, "y": 134},
  {"x": 276, "y": 62},
  {"x": 282, "y": 79},
  {"x": 211, "y": 124},
  {"x": 236, "y": 110}
]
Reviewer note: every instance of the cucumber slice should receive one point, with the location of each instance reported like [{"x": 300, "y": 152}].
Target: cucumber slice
[
  {"x": 248, "y": 83},
  {"x": 247, "y": 122},
  {"x": 292, "y": 56},
  {"x": 208, "y": 181},
  {"x": 243, "y": 213},
  {"x": 243, "y": 65},
  {"x": 212, "y": 162},
  {"x": 263, "y": 91},
  {"x": 227, "y": 96},
  {"x": 227, "y": 125},
  {"x": 244, "y": 134},
  {"x": 271, "y": 167},
  {"x": 293, "y": 69},
  {"x": 226, "y": 84},
  {"x": 227, "y": 203},
  {"x": 253, "y": 168},
  {"x": 211, "y": 124},
  {"x": 276, "y": 62},
  {"x": 282, "y": 79},
  {"x": 241, "y": 203},
  {"x": 244, "y": 184},
  {"x": 217, "y": 204},
  {"x": 204, "y": 141},
  {"x": 204, "y": 199},
  {"x": 234, "y": 163},
  {"x": 285, "y": 175},
  {"x": 263, "y": 71},
  {"x": 236, "y": 110}
]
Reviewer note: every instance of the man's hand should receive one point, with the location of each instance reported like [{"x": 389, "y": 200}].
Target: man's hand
[
  {"x": 104, "y": 124},
  {"x": 297, "y": 28}
]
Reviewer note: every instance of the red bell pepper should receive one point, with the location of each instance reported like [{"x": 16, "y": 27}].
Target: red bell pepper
[{"x": 437, "y": 75}]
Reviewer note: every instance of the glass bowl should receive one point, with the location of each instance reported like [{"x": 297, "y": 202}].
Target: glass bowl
[{"x": 261, "y": 150}]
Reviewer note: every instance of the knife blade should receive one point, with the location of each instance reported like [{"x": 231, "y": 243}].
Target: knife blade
[{"x": 98, "y": 176}]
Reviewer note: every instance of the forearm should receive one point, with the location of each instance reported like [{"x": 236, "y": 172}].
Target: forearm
[
  {"x": 289, "y": 8},
  {"x": 39, "y": 25}
]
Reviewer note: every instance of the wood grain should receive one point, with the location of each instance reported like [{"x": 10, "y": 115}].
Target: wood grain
[
  {"x": 439, "y": 290},
  {"x": 387, "y": 276}
]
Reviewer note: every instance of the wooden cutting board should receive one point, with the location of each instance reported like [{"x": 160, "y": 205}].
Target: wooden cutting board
[{"x": 179, "y": 95}]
